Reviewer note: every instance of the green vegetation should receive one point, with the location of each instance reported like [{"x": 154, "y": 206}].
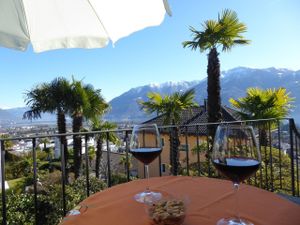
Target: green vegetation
[
  {"x": 263, "y": 104},
  {"x": 80, "y": 102},
  {"x": 83, "y": 102},
  {"x": 98, "y": 125},
  {"x": 225, "y": 32},
  {"x": 273, "y": 175},
  {"x": 53, "y": 98},
  {"x": 62, "y": 97},
  {"x": 20, "y": 206},
  {"x": 170, "y": 106}
]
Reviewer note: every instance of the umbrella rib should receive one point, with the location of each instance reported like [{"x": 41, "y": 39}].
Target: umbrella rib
[
  {"x": 98, "y": 18},
  {"x": 24, "y": 12},
  {"x": 167, "y": 7}
]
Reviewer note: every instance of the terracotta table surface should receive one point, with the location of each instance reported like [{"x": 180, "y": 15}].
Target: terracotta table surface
[{"x": 208, "y": 200}]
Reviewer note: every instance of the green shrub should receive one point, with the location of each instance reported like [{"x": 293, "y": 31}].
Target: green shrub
[
  {"x": 42, "y": 155},
  {"x": 17, "y": 185},
  {"x": 11, "y": 157},
  {"x": 120, "y": 178},
  {"x": 20, "y": 207}
]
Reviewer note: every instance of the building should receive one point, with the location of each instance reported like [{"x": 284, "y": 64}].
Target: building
[{"x": 188, "y": 136}]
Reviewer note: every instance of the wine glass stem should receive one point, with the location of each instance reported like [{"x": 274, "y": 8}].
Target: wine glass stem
[
  {"x": 147, "y": 176},
  {"x": 236, "y": 189}
]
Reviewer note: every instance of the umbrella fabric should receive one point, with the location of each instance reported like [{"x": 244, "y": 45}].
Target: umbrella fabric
[{"x": 55, "y": 24}]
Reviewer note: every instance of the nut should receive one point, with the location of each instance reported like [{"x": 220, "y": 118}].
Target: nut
[{"x": 167, "y": 212}]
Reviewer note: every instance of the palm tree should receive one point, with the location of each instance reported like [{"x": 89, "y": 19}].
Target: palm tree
[
  {"x": 98, "y": 125},
  {"x": 84, "y": 102},
  {"x": 171, "y": 107},
  {"x": 123, "y": 161},
  {"x": 53, "y": 98},
  {"x": 225, "y": 32},
  {"x": 7, "y": 144},
  {"x": 263, "y": 104},
  {"x": 44, "y": 141}
]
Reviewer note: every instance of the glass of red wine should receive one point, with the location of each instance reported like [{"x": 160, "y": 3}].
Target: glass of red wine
[
  {"x": 236, "y": 156},
  {"x": 145, "y": 146}
]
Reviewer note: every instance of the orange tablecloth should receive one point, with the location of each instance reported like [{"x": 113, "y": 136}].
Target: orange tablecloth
[{"x": 209, "y": 200}]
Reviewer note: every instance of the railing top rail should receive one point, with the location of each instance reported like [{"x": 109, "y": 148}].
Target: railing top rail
[
  {"x": 294, "y": 128},
  {"x": 130, "y": 129}
]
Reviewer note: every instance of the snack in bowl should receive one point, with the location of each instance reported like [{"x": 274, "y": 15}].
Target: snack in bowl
[{"x": 167, "y": 212}]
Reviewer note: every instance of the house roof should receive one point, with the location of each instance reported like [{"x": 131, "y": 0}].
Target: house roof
[{"x": 196, "y": 115}]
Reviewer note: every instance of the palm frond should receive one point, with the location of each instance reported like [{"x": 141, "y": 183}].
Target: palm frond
[
  {"x": 263, "y": 104},
  {"x": 170, "y": 105},
  {"x": 226, "y": 31}
]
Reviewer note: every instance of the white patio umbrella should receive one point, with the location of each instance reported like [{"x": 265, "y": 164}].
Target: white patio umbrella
[{"x": 55, "y": 24}]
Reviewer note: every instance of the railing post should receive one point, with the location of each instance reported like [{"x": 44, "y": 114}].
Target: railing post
[
  {"x": 127, "y": 155},
  {"x": 271, "y": 157},
  {"x": 198, "y": 150},
  {"x": 297, "y": 164},
  {"x": 108, "y": 160},
  {"x": 87, "y": 166},
  {"x": 3, "y": 192},
  {"x": 35, "y": 179},
  {"x": 279, "y": 149},
  {"x": 291, "y": 123},
  {"x": 208, "y": 154},
  {"x": 63, "y": 176},
  {"x": 187, "y": 151},
  {"x": 159, "y": 161},
  {"x": 260, "y": 168}
]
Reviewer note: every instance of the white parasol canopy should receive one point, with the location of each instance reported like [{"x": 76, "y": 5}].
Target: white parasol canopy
[{"x": 55, "y": 24}]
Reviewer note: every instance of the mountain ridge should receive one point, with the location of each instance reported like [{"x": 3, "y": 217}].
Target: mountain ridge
[{"x": 234, "y": 83}]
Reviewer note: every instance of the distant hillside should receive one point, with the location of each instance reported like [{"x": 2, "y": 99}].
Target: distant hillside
[
  {"x": 15, "y": 115},
  {"x": 234, "y": 84},
  {"x": 125, "y": 106}
]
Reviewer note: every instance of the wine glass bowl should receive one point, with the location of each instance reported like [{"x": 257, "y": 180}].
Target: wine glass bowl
[
  {"x": 145, "y": 146},
  {"x": 236, "y": 156}
]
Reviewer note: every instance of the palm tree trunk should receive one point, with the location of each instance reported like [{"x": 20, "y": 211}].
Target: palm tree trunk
[
  {"x": 98, "y": 156},
  {"x": 77, "y": 143},
  {"x": 174, "y": 152},
  {"x": 213, "y": 91},
  {"x": 263, "y": 137},
  {"x": 61, "y": 124}
]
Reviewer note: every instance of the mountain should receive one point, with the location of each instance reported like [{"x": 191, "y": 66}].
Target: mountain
[
  {"x": 15, "y": 116},
  {"x": 234, "y": 84},
  {"x": 125, "y": 107},
  {"x": 5, "y": 116}
]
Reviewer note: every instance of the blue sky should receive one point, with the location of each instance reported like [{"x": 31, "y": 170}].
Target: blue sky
[{"x": 155, "y": 55}]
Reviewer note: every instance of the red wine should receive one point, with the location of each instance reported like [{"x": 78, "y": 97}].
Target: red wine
[
  {"x": 236, "y": 169},
  {"x": 145, "y": 155}
]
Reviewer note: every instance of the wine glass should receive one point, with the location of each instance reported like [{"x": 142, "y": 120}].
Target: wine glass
[
  {"x": 235, "y": 155},
  {"x": 145, "y": 146}
]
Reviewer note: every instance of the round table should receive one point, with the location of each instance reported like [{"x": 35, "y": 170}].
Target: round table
[{"x": 208, "y": 201}]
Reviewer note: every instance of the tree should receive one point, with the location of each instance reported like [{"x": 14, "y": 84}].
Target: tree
[
  {"x": 263, "y": 104},
  {"x": 226, "y": 32},
  {"x": 171, "y": 107},
  {"x": 44, "y": 141},
  {"x": 126, "y": 163},
  {"x": 53, "y": 98},
  {"x": 7, "y": 144},
  {"x": 84, "y": 102},
  {"x": 98, "y": 125}
]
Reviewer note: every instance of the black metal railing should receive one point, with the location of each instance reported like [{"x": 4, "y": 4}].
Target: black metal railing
[{"x": 280, "y": 151}]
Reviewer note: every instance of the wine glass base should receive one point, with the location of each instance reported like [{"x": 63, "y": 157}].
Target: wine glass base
[
  {"x": 234, "y": 221},
  {"x": 148, "y": 197}
]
